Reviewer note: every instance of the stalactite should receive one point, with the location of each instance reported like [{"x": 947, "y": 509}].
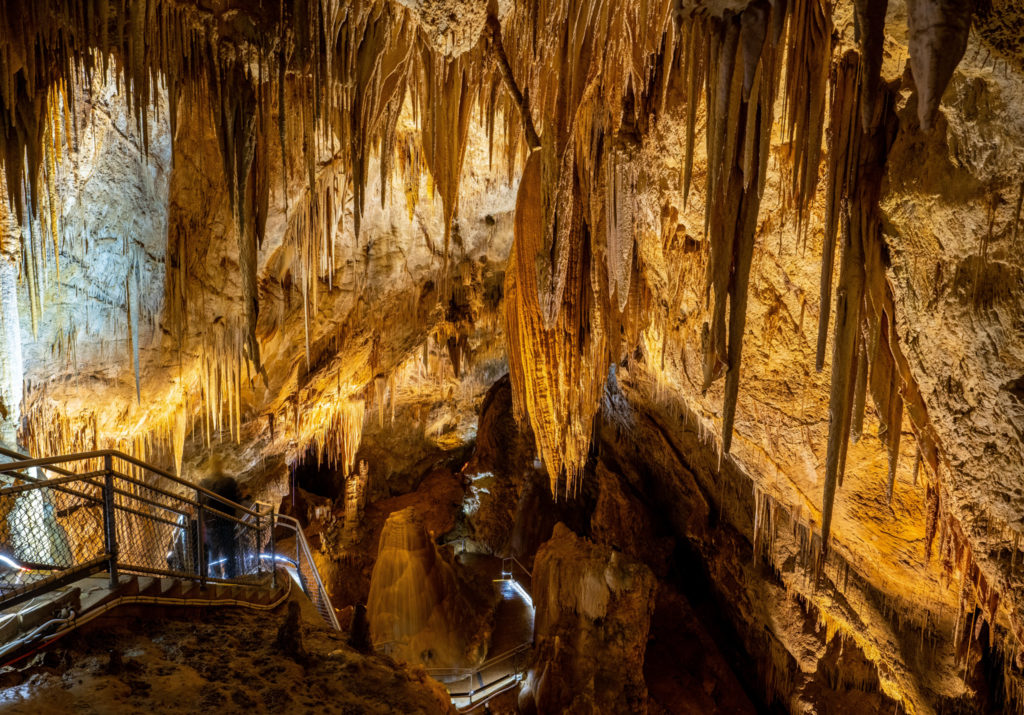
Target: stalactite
[
  {"x": 842, "y": 159},
  {"x": 575, "y": 300},
  {"x": 52, "y": 156},
  {"x": 737, "y": 167},
  {"x": 860, "y": 389},
  {"x": 448, "y": 89},
  {"x": 855, "y": 181},
  {"x": 695, "y": 68},
  {"x": 379, "y": 64},
  {"x": 494, "y": 30},
  {"x": 621, "y": 197},
  {"x": 561, "y": 410},
  {"x": 938, "y": 39},
  {"x": 335, "y": 430},
  {"x": 807, "y": 70},
  {"x": 131, "y": 290},
  {"x": 870, "y": 19},
  {"x": 848, "y": 307},
  {"x": 12, "y": 367}
]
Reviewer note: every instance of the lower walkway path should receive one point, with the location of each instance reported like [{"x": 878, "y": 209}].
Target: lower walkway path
[{"x": 511, "y": 639}]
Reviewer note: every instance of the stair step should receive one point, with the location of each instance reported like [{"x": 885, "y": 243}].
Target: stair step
[{"x": 37, "y": 611}]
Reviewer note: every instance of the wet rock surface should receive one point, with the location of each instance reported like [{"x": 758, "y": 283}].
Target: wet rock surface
[{"x": 421, "y": 603}]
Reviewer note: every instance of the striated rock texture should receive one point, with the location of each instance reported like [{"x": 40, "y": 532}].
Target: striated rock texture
[
  {"x": 509, "y": 508},
  {"x": 594, "y": 609},
  {"x": 347, "y": 565},
  {"x": 417, "y": 606}
]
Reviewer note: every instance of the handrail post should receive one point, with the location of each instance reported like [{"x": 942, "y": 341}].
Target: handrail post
[
  {"x": 273, "y": 551},
  {"x": 259, "y": 543},
  {"x": 109, "y": 524},
  {"x": 201, "y": 554}
]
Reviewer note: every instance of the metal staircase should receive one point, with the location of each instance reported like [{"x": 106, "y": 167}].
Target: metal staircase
[{"x": 83, "y": 533}]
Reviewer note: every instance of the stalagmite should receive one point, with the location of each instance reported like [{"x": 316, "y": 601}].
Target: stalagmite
[{"x": 355, "y": 500}]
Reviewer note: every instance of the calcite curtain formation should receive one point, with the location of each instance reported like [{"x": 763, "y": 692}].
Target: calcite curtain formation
[{"x": 578, "y": 85}]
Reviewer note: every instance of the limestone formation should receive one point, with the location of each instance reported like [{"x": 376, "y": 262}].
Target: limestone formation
[
  {"x": 591, "y": 628},
  {"x": 753, "y": 268}
]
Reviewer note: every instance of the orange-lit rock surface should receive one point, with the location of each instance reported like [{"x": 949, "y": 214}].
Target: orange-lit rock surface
[{"x": 593, "y": 610}]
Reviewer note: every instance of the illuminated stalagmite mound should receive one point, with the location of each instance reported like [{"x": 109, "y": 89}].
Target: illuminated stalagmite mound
[{"x": 417, "y": 606}]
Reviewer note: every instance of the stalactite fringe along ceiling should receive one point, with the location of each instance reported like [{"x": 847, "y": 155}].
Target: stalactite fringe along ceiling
[{"x": 578, "y": 85}]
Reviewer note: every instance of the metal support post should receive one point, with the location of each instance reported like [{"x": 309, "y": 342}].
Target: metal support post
[
  {"x": 201, "y": 562},
  {"x": 109, "y": 523},
  {"x": 273, "y": 551}
]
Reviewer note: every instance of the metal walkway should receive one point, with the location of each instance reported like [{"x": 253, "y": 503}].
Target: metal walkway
[
  {"x": 510, "y": 647},
  {"x": 154, "y": 537}
]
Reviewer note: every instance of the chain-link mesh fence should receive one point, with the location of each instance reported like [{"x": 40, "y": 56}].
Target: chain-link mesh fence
[
  {"x": 68, "y": 516},
  {"x": 47, "y": 528},
  {"x": 306, "y": 571}
]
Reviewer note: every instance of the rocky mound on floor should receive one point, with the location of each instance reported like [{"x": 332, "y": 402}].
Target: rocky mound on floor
[{"x": 217, "y": 660}]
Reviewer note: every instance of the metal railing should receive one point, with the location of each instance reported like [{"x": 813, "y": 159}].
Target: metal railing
[
  {"x": 511, "y": 663},
  {"x": 513, "y": 570},
  {"x": 471, "y": 687},
  {"x": 307, "y": 575},
  {"x": 65, "y": 517}
]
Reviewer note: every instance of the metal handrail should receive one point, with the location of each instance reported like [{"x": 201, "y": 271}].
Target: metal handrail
[
  {"x": 79, "y": 522},
  {"x": 304, "y": 556},
  {"x": 516, "y": 562},
  {"x": 24, "y": 462},
  {"x": 460, "y": 673},
  {"x": 454, "y": 676},
  {"x": 160, "y": 510}
]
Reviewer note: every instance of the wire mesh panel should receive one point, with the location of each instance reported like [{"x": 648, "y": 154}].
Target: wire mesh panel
[
  {"x": 47, "y": 529},
  {"x": 312, "y": 586},
  {"x": 168, "y": 526},
  {"x": 234, "y": 541},
  {"x": 62, "y": 517},
  {"x": 97, "y": 510},
  {"x": 151, "y": 524},
  {"x": 305, "y": 569}
]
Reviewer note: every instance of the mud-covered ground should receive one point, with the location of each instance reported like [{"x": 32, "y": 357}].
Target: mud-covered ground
[{"x": 217, "y": 660}]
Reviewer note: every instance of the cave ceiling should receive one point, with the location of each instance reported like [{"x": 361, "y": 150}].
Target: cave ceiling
[{"x": 253, "y": 226}]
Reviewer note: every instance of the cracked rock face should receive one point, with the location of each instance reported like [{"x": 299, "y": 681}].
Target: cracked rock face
[
  {"x": 793, "y": 230},
  {"x": 591, "y": 627}
]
